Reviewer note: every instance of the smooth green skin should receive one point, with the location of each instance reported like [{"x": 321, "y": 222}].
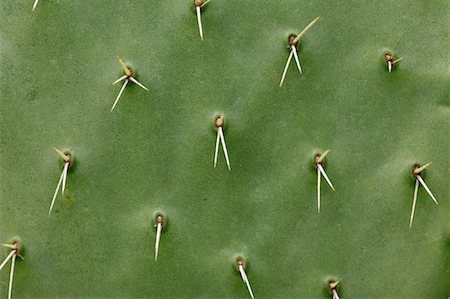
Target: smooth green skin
[{"x": 155, "y": 151}]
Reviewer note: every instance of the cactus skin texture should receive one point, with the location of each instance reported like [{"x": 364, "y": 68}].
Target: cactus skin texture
[{"x": 154, "y": 152}]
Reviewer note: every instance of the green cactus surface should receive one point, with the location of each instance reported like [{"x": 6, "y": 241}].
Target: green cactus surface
[{"x": 154, "y": 153}]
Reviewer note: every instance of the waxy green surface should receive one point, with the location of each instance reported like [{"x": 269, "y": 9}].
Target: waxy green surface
[{"x": 154, "y": 153}]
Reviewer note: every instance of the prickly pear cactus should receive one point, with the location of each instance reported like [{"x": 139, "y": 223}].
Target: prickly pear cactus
[{"x": 153, "y": 154}]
